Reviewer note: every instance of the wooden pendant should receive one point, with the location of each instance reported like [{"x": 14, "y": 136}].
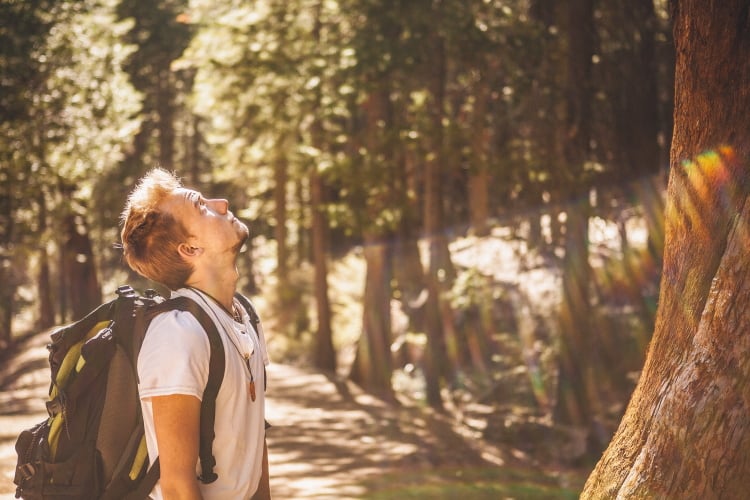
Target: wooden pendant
[{"x": 251, "y": 389}]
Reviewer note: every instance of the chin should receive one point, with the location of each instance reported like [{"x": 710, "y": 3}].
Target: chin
[{"x": 243, "y": 237}]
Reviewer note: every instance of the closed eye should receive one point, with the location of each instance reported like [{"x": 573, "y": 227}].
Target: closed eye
[{"x": 199, "y": 202}]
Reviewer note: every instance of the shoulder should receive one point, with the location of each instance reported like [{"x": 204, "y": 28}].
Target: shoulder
[
  {"x": 175, "y": 330},
  {"x": 174, "y": 357}
]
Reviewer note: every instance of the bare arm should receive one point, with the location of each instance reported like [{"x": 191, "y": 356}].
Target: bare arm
[{"x": 177, "y": 422}]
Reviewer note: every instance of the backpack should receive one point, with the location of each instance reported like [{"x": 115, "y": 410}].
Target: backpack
[{"x": 92, "y": 446}]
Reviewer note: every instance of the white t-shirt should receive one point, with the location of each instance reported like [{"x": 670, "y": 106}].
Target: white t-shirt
[{"x": 174, "y": 360}]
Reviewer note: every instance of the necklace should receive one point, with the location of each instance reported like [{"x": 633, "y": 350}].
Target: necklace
[{"x": 230, "y": 333}]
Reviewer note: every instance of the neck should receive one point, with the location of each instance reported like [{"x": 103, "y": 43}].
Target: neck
[{"x": 221, "y": 287}]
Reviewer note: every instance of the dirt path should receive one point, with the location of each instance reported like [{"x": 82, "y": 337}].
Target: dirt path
[{"x": 328, "y": 440}]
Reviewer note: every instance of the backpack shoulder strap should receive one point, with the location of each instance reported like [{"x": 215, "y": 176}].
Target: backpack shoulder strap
[
  {"x": 215, "y": 377},
  {"x": 250, "y": 308}
]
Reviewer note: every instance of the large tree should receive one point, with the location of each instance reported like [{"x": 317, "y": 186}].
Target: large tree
[{"x": 686, "y": 433}]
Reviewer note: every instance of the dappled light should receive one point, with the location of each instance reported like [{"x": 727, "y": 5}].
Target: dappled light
[{"x": 483, "y": 235}]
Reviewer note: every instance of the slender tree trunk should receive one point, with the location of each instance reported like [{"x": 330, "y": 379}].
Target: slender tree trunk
[
  {"x": 573, "y": 405},
  {"x": 479, "y": 206},
  {"x": 685, "y": 433},
  {"x": 81, "y": 284},
  {"x": 638, "y": 120},
  {"x": 165, "y": 107},
  {"x": 44, "y": 285},
  {"x": 573, "y": 399},
  {"x": 373, "y": 365},
  {"x": 7, "y": 290},
  {"x": 479, "y": 180},
  {"x": 439, "y": 259},
  {"x": 280, "y": 214},
  {"x": 576, "y": 384},
  {"x": 325, "y": 357}
]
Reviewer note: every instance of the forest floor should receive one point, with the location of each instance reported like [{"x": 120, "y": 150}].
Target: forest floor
[{"x": 330, "y": 441}]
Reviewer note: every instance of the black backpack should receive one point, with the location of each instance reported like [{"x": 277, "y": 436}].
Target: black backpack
[{"x": 92, "y": 446}]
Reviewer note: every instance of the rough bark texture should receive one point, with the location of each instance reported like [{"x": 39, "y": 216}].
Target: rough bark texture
[
  {"x": 575, "y": 403},
  {"x": 373, "y": 367},
  {"x": 686, "y": 433}
]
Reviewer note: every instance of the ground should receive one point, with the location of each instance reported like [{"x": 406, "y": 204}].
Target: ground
[{"x": 329, "y": 440}]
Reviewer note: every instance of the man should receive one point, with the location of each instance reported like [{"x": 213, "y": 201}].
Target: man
[{"x": 177, "y": 237}]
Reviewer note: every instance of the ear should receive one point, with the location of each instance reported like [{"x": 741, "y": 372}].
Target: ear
[{"x": 188, "y": 251}]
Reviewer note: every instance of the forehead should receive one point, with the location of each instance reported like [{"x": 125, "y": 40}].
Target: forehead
[{"x": 179, "y": 201}]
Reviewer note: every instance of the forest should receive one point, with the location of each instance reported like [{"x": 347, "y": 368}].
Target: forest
[{"x": 534, "y": 208}]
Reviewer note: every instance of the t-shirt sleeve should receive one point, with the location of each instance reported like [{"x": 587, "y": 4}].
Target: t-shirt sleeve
[{"x": 174, "y": 357}]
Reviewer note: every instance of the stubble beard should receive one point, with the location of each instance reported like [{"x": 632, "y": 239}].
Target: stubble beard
[{"x": 243, "y": 235}]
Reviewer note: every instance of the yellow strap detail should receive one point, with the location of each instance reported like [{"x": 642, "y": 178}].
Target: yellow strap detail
[
  {"x": 80, "y": 363},
  {"x": 140, "y": 459},
  {"x": 71, "y": 360},
  {"x": 55, "y": 427}
]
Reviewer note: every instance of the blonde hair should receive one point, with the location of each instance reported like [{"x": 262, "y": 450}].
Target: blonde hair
[{"x": 150, "y": 237}]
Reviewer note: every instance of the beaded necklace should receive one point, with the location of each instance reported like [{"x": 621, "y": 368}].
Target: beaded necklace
[{"x": 230, "y": 333}]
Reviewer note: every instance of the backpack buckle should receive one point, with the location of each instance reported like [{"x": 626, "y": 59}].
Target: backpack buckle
[
  {"x": 26, "y": 471},
  {"x": 208, "y": 478}
]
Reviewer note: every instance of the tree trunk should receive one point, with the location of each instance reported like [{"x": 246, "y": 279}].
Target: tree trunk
[
  {"x": 165, "y": 107},
  {"x": 637, "y": 118},
  {"x": 81, "y": 283},
  {"x": 324, "y": 355},
  {"x": 8, "y": 289},
  {"x": 439, "y": 258},
  {"x": 479, "y": 205},
  {"x": 576, "y": 394},
  {"x": 686, "y": 433},
  {"x": 373, "y": 366},
  {"x": 479, "y": 179},
  {"x": 44, "y": 285},
  {"x": 280, "y": 214}
]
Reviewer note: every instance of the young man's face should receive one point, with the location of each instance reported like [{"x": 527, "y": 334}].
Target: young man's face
[{"x": 209, "y": 222}]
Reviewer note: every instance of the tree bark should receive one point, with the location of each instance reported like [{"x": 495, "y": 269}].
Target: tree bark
[
  {"x": 439, "y": 258},
  {"x": 576, "y": 401},
  {"x": 280, "y": 232},
  {"x": 479, "y": 177},
  {"x": 685, "y": 433},
  {"x": 44, "y": 285},
  {"x": 165, "y": 108},
  {"x": 325, "y": 356},
  {"x": 8, "y": 289},
  {"x": 373, "y": 365},
  {"x": 79, "y": 269}
]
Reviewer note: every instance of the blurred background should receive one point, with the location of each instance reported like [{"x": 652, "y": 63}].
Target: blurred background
[{"x": 455, "y": 204}]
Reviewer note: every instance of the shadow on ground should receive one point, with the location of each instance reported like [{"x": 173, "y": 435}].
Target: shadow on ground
[{"x": 329, "y": 440}]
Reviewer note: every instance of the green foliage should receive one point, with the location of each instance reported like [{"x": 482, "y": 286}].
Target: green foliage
[
  {"x": 226, "y": 92},
  {"x": 89, "y": 107}
]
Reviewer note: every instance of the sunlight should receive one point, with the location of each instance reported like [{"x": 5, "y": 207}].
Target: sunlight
[{"x": 707, "y": 176}]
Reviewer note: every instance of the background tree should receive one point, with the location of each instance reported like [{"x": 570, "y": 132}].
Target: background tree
[
  {"x": 67, "y": 118},
  {"x": 577, "y": 386},
  {"x": 383, "y": 132},
  {"x": 25, "y": 30},
  {"x": 685, "y": 433}
]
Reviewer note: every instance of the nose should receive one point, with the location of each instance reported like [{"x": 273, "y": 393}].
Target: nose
[{"x": 218, "y": 205}]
